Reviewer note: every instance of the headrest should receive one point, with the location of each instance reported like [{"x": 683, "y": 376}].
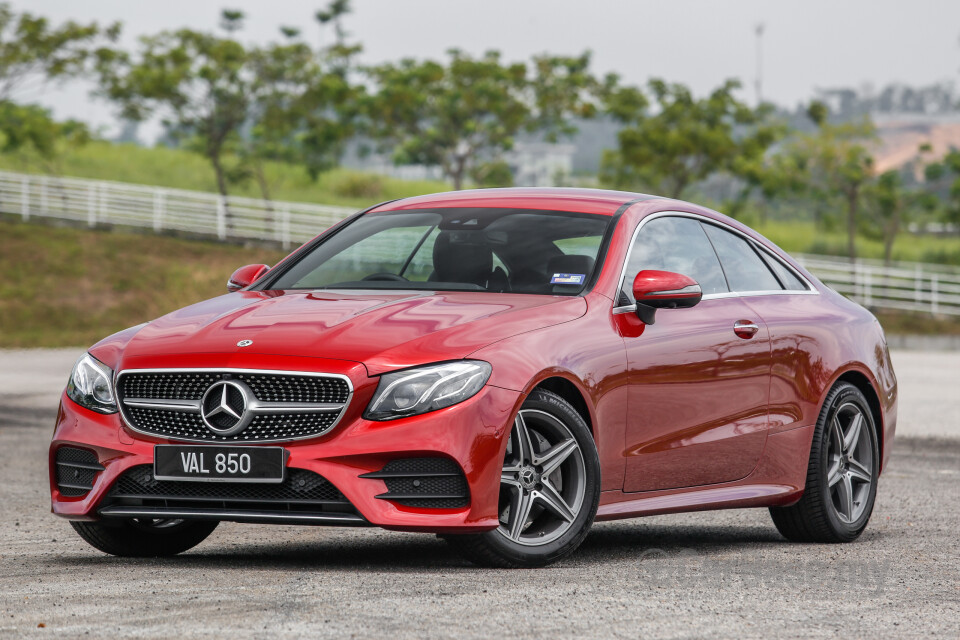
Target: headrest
[{"x": 457, "y": 257}]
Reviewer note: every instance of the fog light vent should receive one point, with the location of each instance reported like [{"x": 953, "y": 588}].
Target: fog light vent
[
  {"x": 432, "y": 483},
  {"x": 76, "y": 470}
]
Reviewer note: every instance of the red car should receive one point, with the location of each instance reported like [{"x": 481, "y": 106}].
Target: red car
[{"x": 501, "y": 367}]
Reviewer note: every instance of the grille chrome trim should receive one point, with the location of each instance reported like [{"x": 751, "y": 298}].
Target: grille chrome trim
[
  {"x": 256, "y": 406},
  {"x": 160, "y": 403}
]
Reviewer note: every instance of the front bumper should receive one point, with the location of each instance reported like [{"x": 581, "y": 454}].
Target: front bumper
[{"x": 472, "y": 433}]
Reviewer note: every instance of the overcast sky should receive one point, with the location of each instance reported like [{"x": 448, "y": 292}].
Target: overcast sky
[{"x": 807, "y": 43}]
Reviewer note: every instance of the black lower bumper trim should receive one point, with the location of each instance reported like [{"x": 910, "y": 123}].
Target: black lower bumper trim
[{"x": 268, "y": 517}]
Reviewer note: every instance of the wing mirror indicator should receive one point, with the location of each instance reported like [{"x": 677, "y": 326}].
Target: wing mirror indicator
[
  {"x": 245, "y": 276},
  {"x": 654, "y": 290}
]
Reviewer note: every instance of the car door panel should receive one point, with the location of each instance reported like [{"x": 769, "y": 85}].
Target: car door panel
[{"x": 698, "y": 397}]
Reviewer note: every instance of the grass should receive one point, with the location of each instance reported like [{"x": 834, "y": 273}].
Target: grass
[
  {"x": 71, "y": 287},
  {"x": 905, "y": 323},
  {"x": 803, "y": 237},
  {"x": 177, "y": 168}
]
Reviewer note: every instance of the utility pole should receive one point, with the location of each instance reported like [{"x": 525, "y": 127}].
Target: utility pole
[{"x": 758, "y": 82}]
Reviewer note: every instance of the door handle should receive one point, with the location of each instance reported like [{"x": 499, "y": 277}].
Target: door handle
[{"x": 745, "y": 329}]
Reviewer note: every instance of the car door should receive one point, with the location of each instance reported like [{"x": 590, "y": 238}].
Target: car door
[{"x": 699, "y": 378}]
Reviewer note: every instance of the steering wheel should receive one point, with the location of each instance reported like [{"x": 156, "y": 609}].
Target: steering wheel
[{"x": 386, "y": 276}]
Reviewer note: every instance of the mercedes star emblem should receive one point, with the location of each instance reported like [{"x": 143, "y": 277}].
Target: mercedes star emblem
[{"x": 225, "y": 407}]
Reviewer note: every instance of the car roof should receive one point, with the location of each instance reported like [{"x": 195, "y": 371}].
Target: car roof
[{"x": 598, "y": 201}]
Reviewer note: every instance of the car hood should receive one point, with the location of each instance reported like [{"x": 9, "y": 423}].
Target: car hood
[{"x": 382, "y": 330}]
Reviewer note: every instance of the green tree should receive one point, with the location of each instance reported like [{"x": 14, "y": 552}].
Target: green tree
[
  {"x": 32, "y": 131},
  {"x": 890, "y": 204},
  {"x": 33, "y": 51},
  {"x": 304, "y": 106},
  {"x": 199, "y": 84},
  {"x": 448, "y": 115},
  {"x": 836, "y": 163},
  {"x": 467, "y": 113},
  {"x": 685, "y": 139},
  {"x": 943, "y": 177}
]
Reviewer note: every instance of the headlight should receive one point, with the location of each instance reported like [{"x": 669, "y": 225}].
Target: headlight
[
  {"x": 91, "y": 385},
  {"x": 414, "y": 391}
]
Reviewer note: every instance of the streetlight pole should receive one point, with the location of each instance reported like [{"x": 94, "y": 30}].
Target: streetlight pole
[{"x": 758, "y": 82}]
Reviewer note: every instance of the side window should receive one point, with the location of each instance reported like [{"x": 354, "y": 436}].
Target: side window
[
  {"x": 679, "y": 245},
  {"x": 744, "y": 269},
  {"x": 787, "y": 277}
]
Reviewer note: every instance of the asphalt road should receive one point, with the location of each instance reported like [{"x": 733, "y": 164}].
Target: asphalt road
[{"x": 724, "y": 573}]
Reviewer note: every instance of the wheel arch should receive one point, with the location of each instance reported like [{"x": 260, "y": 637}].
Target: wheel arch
[
  {"x": 572, "y": 393},
  {"x": 862, "y": 382}
]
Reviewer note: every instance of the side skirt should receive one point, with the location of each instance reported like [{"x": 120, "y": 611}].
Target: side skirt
[{"x": 778, "y": 480}]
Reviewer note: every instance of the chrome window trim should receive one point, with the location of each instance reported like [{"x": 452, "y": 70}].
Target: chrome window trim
[
  {"x": 630, "y": 308},
  {"x": 343, "y": 411}
]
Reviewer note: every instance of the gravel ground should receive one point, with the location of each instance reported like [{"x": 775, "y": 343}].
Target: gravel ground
[{"x": 725, "y": 573}]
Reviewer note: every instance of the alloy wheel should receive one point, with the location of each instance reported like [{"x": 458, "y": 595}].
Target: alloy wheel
[
  {"x": 850, "y": 463},
  {"x": 543, "y": 482}
]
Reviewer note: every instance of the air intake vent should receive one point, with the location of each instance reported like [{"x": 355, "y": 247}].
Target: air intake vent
[
  {"x": 76, "y": 470},
  {"x": 432, "y": 483}
]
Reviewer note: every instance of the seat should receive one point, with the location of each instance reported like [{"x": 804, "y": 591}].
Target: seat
[{"x": 457, "y": 259}]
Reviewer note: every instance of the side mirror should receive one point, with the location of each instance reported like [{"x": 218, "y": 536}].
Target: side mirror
[
  {"x": 654, "y": 290},
  {"x": 245, "y": 276}
]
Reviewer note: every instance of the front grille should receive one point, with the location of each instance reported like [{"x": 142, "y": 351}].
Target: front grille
[
  {"x": 180, "y": 425},
  {"x": 284, "y": 405},
  {"x": 433, "y": 483},
  {"x": 76, "y": 471},
  {"x": 301, "y": 492},
  {"x": 275, "y": 387}
]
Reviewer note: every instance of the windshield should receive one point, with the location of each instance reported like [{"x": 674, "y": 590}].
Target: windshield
[{"x": 495, "y": 250}]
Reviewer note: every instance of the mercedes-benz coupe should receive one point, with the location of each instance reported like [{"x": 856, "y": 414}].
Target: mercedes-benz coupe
[{"x": 501, "y": 367}]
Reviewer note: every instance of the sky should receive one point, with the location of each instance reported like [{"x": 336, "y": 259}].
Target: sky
[{"x": 807, "y": 44}]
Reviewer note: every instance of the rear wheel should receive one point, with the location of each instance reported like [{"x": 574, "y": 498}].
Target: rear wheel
[
  {"x": 842, "y": 474},
  {"x": 144, "y": 537},
  {"x": 549, "y": 488}
]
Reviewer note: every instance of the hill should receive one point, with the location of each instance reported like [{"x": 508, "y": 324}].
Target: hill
[
  {"x": 69, "y": 287},
  {"x": 180, "y": 169}
]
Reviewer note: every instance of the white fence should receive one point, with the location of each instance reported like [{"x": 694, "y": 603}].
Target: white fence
[
  {"x": 908, "y": 286},
  {"x": 116, "y": 203}
]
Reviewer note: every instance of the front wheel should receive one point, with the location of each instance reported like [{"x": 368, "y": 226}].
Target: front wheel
[
  {"x": 549, "y": 488},
  {"x": 842, "y": 474},
  {"x": 144, "y": 537}
]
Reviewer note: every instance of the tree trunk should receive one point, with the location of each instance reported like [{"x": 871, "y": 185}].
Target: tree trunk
[
  {"x": 853, "y": 202},
  {"x": 889, "y": 238},
  {"x": 271, "y": 218},
  {"x": 221, "y": 186},
  {"x": 218, "y": 171},
  {"x": 457, "y": 172},
  {"x": 262, "y": 181}
]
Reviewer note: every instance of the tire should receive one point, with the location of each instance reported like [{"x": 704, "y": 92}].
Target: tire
[
  {"x": 144, "y": 538},
  {"x": 558, "y": 462},
  {"x": 837, "y": 468}
]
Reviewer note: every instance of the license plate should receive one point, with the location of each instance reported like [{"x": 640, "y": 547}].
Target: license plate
[{"x": 219, "y": 464}]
